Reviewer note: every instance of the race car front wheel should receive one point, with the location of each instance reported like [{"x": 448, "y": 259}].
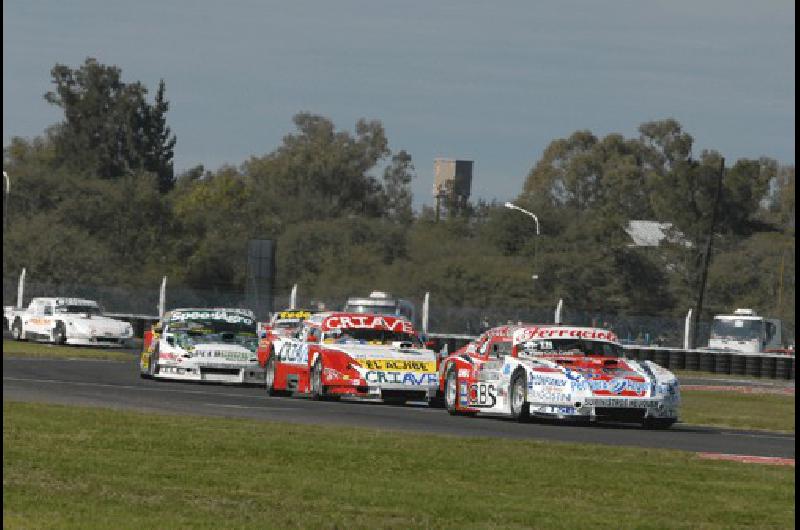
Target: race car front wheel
[
  {"x": 520, "y": 409},
  {"x": 270, "y": 379},
  {"x": 152, "y": 368},
  {"x": 317, "y": 392},
  {"x": 451, "y": 394}
]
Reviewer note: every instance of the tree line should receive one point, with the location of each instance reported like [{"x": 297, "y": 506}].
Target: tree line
[{"x": 96, "y": 200}]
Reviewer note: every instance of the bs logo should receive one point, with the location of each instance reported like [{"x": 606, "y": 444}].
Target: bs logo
[{"x": 482, "y": 395}]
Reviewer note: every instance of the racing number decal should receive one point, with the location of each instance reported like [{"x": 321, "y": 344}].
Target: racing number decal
[{"x": 482, "y": 395}]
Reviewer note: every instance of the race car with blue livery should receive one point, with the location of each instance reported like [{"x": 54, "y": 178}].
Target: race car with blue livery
[{"x": 558, "y": 372}]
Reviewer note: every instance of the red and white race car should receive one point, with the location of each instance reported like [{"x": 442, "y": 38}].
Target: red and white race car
[
  {"x": 561, "y": 372},
  {"x": 354, "y": 354},
  {"x": 283, "y": 326}
]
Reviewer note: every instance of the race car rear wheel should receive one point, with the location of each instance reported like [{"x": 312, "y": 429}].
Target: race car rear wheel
[
  {"x": 520, "y": 408},
  {"x": 16, "y": 329}
]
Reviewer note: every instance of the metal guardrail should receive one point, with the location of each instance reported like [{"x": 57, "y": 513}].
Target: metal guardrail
[{"x": 767, "y": 366}]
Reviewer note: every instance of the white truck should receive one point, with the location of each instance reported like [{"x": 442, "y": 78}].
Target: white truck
[
  {"x": 746, "y": 332},
  {"x": 382, "y": 303},
  {"x": 66, "y": 321}
]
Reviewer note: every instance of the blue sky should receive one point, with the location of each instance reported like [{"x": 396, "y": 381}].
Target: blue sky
[{"x": 492, "y": 82}]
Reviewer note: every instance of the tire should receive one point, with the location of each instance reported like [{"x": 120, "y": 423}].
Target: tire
[
  {"x": 315, "y": 382},
  {"x": 517, "y": 394},
  {"x": 152, "y": 368},
  {"x": 451, "y": 392},
  {"x": 59, "y": 334},
  {"x": 658, "y": 423},
  {"x": 16, "y": 330},
  {"x": 269, "y": 379}
]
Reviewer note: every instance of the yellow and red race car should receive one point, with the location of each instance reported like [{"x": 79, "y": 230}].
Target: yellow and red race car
[{"x": 354, "y": 354}]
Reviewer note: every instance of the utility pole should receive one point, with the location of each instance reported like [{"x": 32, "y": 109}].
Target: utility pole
[{"x": 707, "y": 254}]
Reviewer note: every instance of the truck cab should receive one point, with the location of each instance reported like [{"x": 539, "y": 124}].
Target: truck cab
[
  {"x": 746, "y": 332},
  {"x": 381, "y": 303}
]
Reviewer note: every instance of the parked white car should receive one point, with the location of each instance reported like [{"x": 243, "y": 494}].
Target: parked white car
[{"x": 66, "y": 321}]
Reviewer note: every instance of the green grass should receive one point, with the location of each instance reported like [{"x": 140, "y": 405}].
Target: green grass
[
  {"x": 12, "y": 348},
  {"x": 71, "y": 467},
  {"x": 738, "y": 410}
]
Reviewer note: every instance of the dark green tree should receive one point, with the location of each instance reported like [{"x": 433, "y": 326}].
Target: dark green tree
[
  {"x": 109, "y": 129},
  {"x": 397, "y": 179}
]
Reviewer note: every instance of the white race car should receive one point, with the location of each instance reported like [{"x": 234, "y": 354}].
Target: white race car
[
  {"x": 559, "y": 372},
  {"x": 217, "y": 344},
  {"x": 67, "y": 321}
]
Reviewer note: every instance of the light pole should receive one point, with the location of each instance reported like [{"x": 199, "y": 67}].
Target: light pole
[
  {"x": 5, "y": 198},
  {"x": 7, "y": 189},
  {"x": 536, "y": 220}
]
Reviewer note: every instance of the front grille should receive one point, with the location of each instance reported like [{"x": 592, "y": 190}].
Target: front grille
[
  {"x": 220, "y": 371},
  {"x": 619, "y": 414}
]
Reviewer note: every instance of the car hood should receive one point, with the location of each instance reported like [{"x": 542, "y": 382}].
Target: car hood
[
  {"x": 599, "y": 376},
  {"x": 363, "y": 352}
]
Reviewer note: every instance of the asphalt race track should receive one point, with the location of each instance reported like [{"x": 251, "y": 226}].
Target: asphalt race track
[{"x": 118, "y": 385}]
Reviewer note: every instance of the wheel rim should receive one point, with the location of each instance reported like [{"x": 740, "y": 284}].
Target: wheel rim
[
  {"x": 518, "y": 397},
  {"x": 450, "y": 391},
  {"x": 316, "y": 380}
]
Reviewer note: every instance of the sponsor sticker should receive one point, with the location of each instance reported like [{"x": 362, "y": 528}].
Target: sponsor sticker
[
  {"x": 482, "y": 395},
  {"x": 399, "y": 364},
  {"x": 379, "y": 377},
  {"x": 622, "y": 403}
]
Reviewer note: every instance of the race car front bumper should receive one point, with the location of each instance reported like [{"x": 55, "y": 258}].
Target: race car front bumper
[
  {"x": 608, "y": 408},
  {"x": 217, "y": 373}
]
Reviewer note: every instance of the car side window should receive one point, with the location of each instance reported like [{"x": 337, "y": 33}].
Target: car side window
[{"x": 48, "y": 309}]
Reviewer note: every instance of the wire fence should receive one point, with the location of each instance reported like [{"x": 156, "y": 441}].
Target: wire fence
[{"x": 443, "y": 319}]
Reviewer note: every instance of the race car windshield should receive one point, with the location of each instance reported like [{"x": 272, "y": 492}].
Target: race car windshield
[
  {"x": 78, "y": 309},
  {"x": 570, "y": 346},
  {"x": 736, "y": 329},
  {"x": 369, "y": 336},
  {"x": 194, "y": 332}
]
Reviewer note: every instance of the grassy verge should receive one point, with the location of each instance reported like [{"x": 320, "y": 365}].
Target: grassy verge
[
  {"x": 737, "y": 410},
  {"x": 12, "y": 348},
  {"x": 96, "y": 468}
]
